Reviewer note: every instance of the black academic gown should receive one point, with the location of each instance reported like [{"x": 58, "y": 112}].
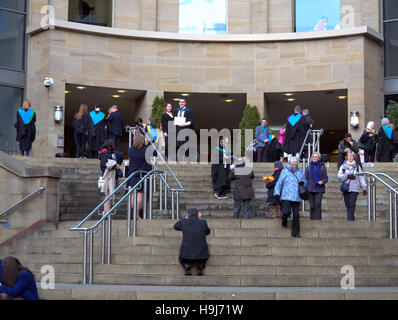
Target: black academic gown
[
  {"x": 97, "y": 135},
  {"x": 220, "y": 174},
  {"x": 26, "y": 132},
  {"x": 273, "y": 152},
  {"x": 293, "y": 137},
  {"x": 385, "y": 147}
]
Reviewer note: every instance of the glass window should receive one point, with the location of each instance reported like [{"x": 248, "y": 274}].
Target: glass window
[
  {"x": 12, "y": 40},
  {"x": 18, "y": 5},
  {"x": 203, "y": 16},
  {"x": 11, "y": 100},
  {"x": 317, "y": 15},
  {"x": 391, "y": 49},
  {"x": 390, "y": 9},
  {"x": 96, "y": 12}
]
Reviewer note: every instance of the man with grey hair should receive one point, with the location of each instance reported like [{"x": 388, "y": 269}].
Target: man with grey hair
[
  {"x": 194, "y": 248},
  {"x": 114, "y": 125},
  {"x": 386, "y": 142}
]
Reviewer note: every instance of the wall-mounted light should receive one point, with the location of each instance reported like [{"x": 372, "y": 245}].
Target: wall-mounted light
[
  {"x": 354, "y": 119},
  {"x": 58, "y": 113}
]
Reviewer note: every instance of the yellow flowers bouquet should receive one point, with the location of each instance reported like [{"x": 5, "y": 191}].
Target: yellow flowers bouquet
[{"x": 268, "y": 179}]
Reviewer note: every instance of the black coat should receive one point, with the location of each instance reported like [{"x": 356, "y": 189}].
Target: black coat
[
  {"x": 385, "y": 147},
  {"x": 307, "y": 123},
  {"x": 271, "y": 186},
  {"x": 273, "y": 151},
  {"x": 367, "y": 142},
  {"x": 114, "y": 124},
  {"x": 26, "y": 133},
  {"x": 194, "y": 244},
  {"x": 137, "y": 162},
  {"x": 83, "y": 125},
  {"x": 104, "y": 157},
  {"x": 293, "y": 137},
  {"x": 242, "y": 183}
]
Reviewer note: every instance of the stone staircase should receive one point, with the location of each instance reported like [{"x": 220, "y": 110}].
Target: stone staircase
[{"x": 251, "y": 259}]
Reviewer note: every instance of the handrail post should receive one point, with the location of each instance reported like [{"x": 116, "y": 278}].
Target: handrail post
[
  {"x": 84, "y": 233},
  {"x": 165, "y": 193},
  {"x": 144, "y": 205},
  {"x": 395, "y": 216},
  {"x": 178, "y": 205},
  {"x": 151, "y": 183},
  {"x": 390, "y": 207},
  {"x": 109, "y": 235},
  {"x": 172, "y": 205},
  {"x": 160, "y": 194},
  {"x": 370, "y": 190},
  {"x": 103, "y": 242},
  {"x": 135, "y": 213},
  {"x": 129, "y": 213},
  {"x": 90, "y": 254},
  {"x": 374, "y": 199}
]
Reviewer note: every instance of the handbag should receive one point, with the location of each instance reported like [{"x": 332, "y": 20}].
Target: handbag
[
  {"x": 303, "y": 190},
  {"x": 345, "y": 187}
]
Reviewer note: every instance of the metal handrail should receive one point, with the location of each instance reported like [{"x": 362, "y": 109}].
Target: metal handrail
[
  {"x": 311, "y": 131},
  {"x": 38, "y": 191},
  {"x": 78, "y": 227},
  {"x": 131, "y": 132},
  {"x": 371, "y": 199},
  {"x": 387, "y": 176}
]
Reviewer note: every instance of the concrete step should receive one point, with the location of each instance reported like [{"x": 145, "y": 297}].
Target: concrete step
[{"x": 123, "y": 292}]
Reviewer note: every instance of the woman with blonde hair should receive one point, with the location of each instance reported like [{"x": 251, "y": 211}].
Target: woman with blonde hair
[
  {"x": 348, "y": 175},
  {"x": 82, "y": 126},
  {"x": 368, "y": 142},
  {"x": 137, "y": 162},
  {"x": 26, "y": 128}
]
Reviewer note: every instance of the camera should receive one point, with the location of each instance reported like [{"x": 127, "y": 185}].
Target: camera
[{"x": 48, "y": 82}]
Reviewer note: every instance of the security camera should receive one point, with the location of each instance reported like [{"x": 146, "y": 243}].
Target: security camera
[{"x": 48, "y": 82}]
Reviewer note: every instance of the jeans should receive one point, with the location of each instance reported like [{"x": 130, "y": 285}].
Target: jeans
[
  {"x": 316, "y": 205},
  {"x": 350, "y": 200},
  {"x": 287, "y": 208},
  {"x": 246, "y": 208}
]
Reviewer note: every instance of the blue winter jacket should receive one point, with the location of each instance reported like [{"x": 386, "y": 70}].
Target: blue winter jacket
[
  {"x": 287, "y": 184},
  {"x": 262, "y": 135},
  {"x": 25, "y": 287}
]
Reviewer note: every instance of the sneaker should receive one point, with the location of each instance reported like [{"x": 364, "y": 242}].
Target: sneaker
[{"x": 218, "y": 196}]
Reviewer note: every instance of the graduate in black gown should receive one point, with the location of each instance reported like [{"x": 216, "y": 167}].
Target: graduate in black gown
[
  {"x": 97, "y": 132},
  {"x": 273, "y": 150},
  {"x": 26, "y": 128},
  {"x": 183, "y": 111},
  {"x": 294, "y": 133},
  {"x": 386, "y": 141},
  {"x": 220, "y": 169}
]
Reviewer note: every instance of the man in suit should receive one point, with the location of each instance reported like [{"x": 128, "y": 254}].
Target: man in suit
[
  {"x": 114, "y": 125},
  {"x": 262, "y": 136},
  {"x": 194, "y": 249}
]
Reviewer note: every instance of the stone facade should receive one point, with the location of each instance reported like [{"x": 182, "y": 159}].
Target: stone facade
[{"x": 117, "y": 60}]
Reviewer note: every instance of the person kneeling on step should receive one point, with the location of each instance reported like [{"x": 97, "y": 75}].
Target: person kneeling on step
[{"x": 194, "y": 249}]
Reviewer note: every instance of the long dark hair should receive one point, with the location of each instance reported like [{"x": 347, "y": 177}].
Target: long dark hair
[
  {"x": 152, "y": 122},
  {"x": 11, "y": 268},
  {"x": 109, "y": 144}
]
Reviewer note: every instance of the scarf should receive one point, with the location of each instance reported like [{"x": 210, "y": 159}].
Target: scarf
[
  {"x": 154, "y": 133},
  {"x": 26, "y": 115},
  {"x": 387, "y": 131},
  {"x": 315, "y": 170}
]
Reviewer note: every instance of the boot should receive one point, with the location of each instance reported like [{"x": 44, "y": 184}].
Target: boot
[
  {"x": 200, "y": 270},
  {"x": 187, "y": 269}
]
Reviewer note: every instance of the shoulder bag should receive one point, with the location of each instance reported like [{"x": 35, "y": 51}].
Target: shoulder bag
[{"x": 303, "y": 190}]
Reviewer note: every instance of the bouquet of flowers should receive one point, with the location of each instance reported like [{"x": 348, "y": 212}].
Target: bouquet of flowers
[{"x": 268, "y": 179}]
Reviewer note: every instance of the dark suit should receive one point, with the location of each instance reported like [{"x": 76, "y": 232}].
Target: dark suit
[
  {"x": 194, "y": 247},
  {"x": 115, "y": 127}
]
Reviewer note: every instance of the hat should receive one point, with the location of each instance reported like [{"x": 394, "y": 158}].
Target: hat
[{"x": 293, "y": 159}]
